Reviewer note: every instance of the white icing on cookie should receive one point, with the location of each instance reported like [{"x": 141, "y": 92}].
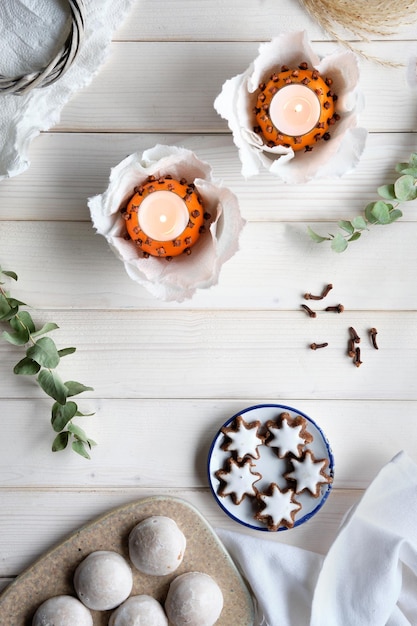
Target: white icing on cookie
[
  {"x": 103, "y": 580},
  {"x": 245, "y": 440},
  {"x": 139, "y": 611},
  {"x": 157, "y": 545},
  {"x": 62, "y": 611},
  {"x": 288, "y": 437},
  {"x": 239, "y": 481},
  {"x": 280, "y": 507},
  {"x": 194, "y": 599},
  {"x": 309, "y": 473}
]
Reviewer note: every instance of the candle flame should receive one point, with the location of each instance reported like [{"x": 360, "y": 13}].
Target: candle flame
[
  {"x": 298, "y": 108},
  {"x": 162, "y": 218}
]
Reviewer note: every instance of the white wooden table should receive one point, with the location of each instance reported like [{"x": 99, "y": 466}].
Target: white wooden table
[{"x": 166, "y": 376}]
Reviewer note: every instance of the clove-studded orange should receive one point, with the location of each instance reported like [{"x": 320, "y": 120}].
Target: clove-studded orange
[
  {"x": 182, "y": 243},
  {"x": 313, "y": 80}
]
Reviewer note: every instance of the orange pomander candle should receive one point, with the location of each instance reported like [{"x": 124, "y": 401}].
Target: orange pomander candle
[
  {"x": 295, "y": 108},
  {"x": 165, "y": 217}
]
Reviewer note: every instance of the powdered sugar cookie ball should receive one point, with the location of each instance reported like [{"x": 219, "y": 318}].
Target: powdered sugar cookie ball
[
  {"x": 156, "y": 545},
  {"x": 103, "y": 580},
  {"x": 194, "y": 599},
  {"x": 139, "y": 611},
  {"x": 62, "y": 611}
]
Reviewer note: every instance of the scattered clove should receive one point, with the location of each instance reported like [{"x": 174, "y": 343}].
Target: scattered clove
[
  {"x": 337, "y": 309},
  {"x": 354, "y": 335},
  {"x": 309, "y": 311},
  {"x": 373, "y": 333},
  {"x": 351, "y": 348},
  {"x": 357, "y": 359},
  {"x": 316, "y": 346},
  {"x": 309, "y": 296}
]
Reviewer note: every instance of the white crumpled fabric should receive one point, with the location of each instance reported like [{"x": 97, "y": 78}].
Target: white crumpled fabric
[
  {"x": 331, "y": 158},
  {"x": 367, "y": 578},
  {"x": 180, "y": 278},
  {"x": 30, "y": 34}
]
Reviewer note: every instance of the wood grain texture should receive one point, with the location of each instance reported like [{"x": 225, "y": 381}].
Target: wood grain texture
[
  {"x": 222, "y": 354},
  {"x": 68, "y": 168},
  {"x": 135, "y": 440},
  {"x": 125, "y": 96},
  {"x": 276, "y": 265},
  {"x": 57, "y": 513}
]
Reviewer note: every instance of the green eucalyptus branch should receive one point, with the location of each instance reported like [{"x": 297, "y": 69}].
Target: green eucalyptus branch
[
  {"x": 41, "y": 359},
  {"x": 381, "y": 212}
]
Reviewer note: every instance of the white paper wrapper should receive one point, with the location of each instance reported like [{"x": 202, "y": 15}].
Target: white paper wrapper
[
  {"x": 332, "y": 158},
  {"x": 180, "y": 278},
  {"x": 29, "y": 32}
]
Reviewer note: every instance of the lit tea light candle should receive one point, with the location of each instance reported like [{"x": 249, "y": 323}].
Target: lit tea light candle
[
  {"x": 295, "y": 110},
  {"x": 163, "y": 215}
]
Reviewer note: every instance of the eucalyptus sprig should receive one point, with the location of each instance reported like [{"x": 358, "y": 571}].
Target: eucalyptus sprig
[
  {"x": 380, "y": 212},
  {"x": 41, "y": 359}
]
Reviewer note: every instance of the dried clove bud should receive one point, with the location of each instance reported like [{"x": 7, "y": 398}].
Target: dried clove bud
[
  {"x": 373, "y": 333},
  {"x": 309, "y": 311}
]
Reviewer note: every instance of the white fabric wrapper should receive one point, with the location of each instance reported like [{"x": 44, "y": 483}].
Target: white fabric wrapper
[
  {"x": 368, "y": 577},
  {"x": 331, "y": 158},
  {"x": 180, "y": 278},
  {"x": 30, "y": 34}
]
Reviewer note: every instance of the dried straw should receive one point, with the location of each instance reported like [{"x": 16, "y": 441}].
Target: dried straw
[
  {"x": 363, "y": 18},
  {"x": 61, "y": 62}
]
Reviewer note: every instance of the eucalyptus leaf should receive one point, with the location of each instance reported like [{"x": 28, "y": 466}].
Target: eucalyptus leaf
[
  {"x": 22, "y": 320},
  {"x": 405, "y": 188},
  {"x": 400, "y": 167},
  {"x": 19, "y": 338},
  {"x": 355, "y": 236},
  {"x": 52, "y": 385},
  {"x": 413, "y": 159},
  {"x": 75, "y": 388},
  {"x": 381, "y": 212},
  {"x": 387, "y": 192},
  {"x": 347, "y": 226},
  {"x": 66, "y": 351},
  {"x": 339, "y": 243},
  {"x": 395, "y": 214},
  {"x": 46, "y": 328},
  {"x": 78, "y": 432},
  {"x": 370, "y": 217},
  {"x": 359, "y": 223},
  {"x": 62, "y": 414},
  {"x": 79, "y": 447},
  {"x": 12, "y": 275},
  {"x": 26, "y": 367},
  {"x": 44, "y": 352},
  {"x": 315, "y": 237},
  {"x": 60, "y": 442}
]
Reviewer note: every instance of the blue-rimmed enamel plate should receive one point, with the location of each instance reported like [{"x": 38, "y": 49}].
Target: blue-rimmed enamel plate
[{"x": 271, "y": 467}]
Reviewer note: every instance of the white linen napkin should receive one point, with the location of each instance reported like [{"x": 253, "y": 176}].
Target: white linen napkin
[
  {"x": 368, "y": 577},
  {"x": 30, "y": 33}
]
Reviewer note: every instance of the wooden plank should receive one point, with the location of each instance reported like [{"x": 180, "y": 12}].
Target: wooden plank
[
  {"x": 66, "y": 169},
  {"x": 276, "y": 264},
  {"x": 239, "y": 20},
  {"x": 150, "y": 87},
  {"x": 135, "y": 441},
  {"x": 55, "y": 514},
  {"x": 225, "y": 354}
]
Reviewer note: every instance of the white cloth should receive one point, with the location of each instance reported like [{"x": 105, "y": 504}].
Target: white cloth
[
  {"x": 30, "y": 33},
  {"x": 368, "y": 577}
]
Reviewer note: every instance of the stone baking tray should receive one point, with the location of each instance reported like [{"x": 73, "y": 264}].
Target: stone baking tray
[{"x": 52, "y": 574}]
